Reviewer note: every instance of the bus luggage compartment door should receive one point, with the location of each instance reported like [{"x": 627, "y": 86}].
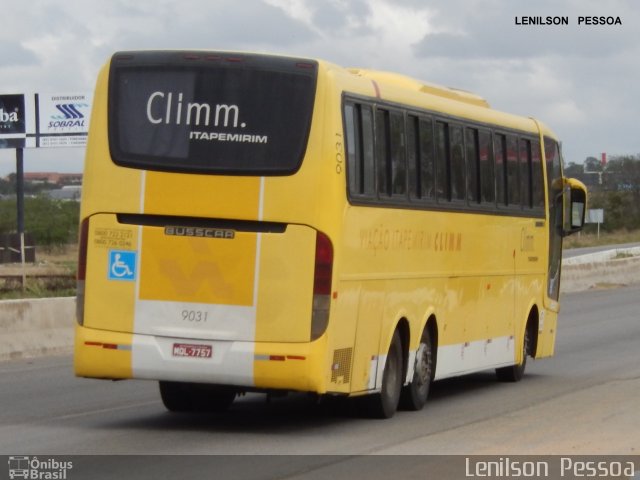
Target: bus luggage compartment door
[{"x": 200, "y": 282}]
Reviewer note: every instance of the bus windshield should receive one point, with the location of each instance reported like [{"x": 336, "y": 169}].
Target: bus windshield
[{"x": 210, "y": 113}]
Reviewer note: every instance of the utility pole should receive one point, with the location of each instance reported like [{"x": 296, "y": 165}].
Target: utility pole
[{"x": 20, "y": 206}]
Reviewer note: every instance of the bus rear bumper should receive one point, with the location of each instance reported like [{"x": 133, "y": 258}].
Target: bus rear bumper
[{"x": 261, "y": 365}]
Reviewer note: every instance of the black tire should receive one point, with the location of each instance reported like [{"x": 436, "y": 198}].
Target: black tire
[
  {"x": 385, "y": 403},
  {"x": 195, "y": 397},
  {"x": 514, "y": 373},
  {"x": 414, "y": 396}
]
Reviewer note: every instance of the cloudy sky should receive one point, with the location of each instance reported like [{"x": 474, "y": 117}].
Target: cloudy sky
[{"x": 582, "y": 80}]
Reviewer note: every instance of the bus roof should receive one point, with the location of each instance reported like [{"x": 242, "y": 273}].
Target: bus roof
[
  {"x": 404, "y": 81},
  {"x": 449, "y": 101}
]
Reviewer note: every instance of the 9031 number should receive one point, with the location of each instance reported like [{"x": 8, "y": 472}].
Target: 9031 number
[{"x": 196, "y": 316}]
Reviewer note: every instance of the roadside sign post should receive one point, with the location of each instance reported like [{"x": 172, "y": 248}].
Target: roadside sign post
[
  {"x": 595, "y": 215},
  {"x": 20, "y": 207}
]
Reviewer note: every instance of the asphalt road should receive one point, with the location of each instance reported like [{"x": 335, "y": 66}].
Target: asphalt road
[{"x": 582, "y": 401}]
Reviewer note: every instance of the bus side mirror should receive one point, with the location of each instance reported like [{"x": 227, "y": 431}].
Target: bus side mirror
[{"x": 575, "y": 203}]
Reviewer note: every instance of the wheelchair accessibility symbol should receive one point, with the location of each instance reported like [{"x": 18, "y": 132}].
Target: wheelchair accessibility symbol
[{"x": 122, "y": 265}]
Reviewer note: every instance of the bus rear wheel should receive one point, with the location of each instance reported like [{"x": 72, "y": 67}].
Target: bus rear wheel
[
  {"x": 196, "y": 397},
  {"x": 385, "y": 403},
  {"x": 414, "y": 396}
]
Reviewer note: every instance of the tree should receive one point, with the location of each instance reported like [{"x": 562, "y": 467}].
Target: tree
[
  {"x": 626, "y": 167},
  {"x": 573, "y": 170},
  {"x": 619, "y": 193},
  {"x": 592, "y": 164}
]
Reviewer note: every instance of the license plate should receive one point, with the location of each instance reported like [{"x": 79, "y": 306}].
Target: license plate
[{"x": 190, "y": 350}]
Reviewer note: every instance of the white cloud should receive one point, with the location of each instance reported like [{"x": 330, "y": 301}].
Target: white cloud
[
  {"x": 296, "y": 9},
  {"x": 582, "y": 81},
  {"x": 398, "y": 26}
]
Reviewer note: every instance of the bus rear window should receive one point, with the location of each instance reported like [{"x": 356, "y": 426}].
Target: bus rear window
[{"x": 207, "y": 113}]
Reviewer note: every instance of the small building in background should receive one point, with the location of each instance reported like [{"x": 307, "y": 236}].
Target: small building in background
[
  {"x": 54, "y": 178},
  {"x": 68, "y": 192}
]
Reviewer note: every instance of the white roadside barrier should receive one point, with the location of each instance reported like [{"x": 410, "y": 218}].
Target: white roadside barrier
[
  {"x": 36, "y": 327},
  {"x": 602, "y": 269}
]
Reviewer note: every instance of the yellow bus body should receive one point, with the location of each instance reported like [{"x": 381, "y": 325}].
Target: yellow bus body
[{"x": 478, "y": 277}]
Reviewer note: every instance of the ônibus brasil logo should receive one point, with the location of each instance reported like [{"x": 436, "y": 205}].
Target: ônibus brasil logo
[{"x": 36, "y": 469}]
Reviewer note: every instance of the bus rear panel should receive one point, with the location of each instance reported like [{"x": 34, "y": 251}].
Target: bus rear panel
[{"x": 184, "y": 276}]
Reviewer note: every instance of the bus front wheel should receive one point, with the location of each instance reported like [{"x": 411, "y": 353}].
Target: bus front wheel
[{"x": 514, "y": 373}]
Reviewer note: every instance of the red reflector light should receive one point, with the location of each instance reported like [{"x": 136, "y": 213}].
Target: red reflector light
[
  {"x": 324, "y": 265},
  {"x": 307, "y": 66},
  {"x": 82, "y": 249}
]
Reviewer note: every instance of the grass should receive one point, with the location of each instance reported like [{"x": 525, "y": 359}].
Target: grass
[
  {"x": 37, "y": 290},
  {"x": 60, "y": 263},
  {"x": 590, "y": 239}
]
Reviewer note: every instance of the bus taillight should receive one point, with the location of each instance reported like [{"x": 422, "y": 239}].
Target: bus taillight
[
  {"x": 82, "y": 270},
  {"x": 324, "y": 265},
  {"x": 321, "y": 285},
  {"x": 82, "y": 250}
]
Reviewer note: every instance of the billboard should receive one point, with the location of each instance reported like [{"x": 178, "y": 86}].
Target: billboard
[
  {"x": 12, "y": 121},
  {"x": 43, "y": 120}
]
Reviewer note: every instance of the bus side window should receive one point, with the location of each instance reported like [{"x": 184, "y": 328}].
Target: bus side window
[
  {"x": 487, "y": 175},
  {"x": 413, "y": 158},
  {"x": 427, "y": 162},
  {"x": 537, "y": 177},
  {"x": 513, "y": 183},
  {"x": 473, "y": 166},
  {"x": 500, "y": 150},
  {"x": 383, "y": 153},
  {"x": 397, "y": 149},
  {"x": 359, "y": 136},
  {"x": 525, "y": 172},
  {"x": 457, "y": 169},
  {"x": 368, "y": 157},
  {"x": 353, "y": 165},
  {"x": 442, "y": 162}
]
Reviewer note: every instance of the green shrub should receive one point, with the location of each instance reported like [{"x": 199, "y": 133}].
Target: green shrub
[{"x": 52, "y": 223}]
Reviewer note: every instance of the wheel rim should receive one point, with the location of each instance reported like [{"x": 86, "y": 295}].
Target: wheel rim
[{"x": 422, "y": 374}]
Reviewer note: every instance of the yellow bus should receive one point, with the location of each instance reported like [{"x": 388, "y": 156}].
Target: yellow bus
[{"x": 264, "y": 223}]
